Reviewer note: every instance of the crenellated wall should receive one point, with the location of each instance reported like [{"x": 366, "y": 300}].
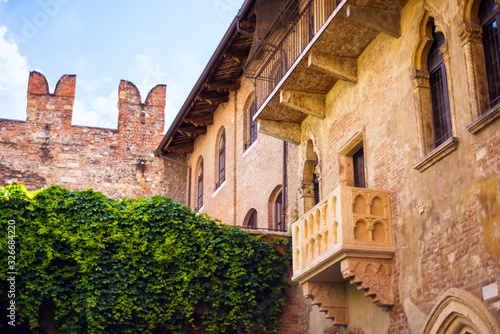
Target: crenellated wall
[{"x": 46, "y": 149}]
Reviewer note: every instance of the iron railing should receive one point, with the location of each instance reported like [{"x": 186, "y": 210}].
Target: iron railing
[{"x": 311, "y": 18}]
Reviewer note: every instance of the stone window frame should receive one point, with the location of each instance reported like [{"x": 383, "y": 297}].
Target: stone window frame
[
  {"x": 429, "y": 154},
  {"x": 470, "y": 33},
  {"x": 458, "y": 311},
  {"x": 346, "y": 164}
]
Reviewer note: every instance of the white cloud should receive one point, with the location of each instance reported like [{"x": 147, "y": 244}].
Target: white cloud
[
  {"x": 97, "y": 111},
  {"x": 14, "y": 75}
]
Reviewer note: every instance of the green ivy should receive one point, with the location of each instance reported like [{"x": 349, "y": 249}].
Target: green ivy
[{"x": 130, "y": 266}]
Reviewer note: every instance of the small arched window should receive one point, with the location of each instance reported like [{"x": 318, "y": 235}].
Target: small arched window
[
  {"x": 439, "y": 90},
  {"x": 278, "y": 214},
  {"x": 489, "y": 16},
  {"x": 252, "y": 219},
  {"x": 199, "y": 197},
  {"x": 221, "y": 175}
]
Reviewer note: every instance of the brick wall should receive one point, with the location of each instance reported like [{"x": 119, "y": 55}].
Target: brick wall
[{"x": 47, "y": 150}]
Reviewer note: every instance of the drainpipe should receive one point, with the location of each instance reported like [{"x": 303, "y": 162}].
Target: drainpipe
[
  {"x": 188, "y": 172},
  {"x": 284, "y": 183}
]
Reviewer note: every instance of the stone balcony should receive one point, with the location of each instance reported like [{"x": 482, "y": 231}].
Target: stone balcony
[
  {"x": 348, "y": 235},
  {"x": 294, "y": 83}
]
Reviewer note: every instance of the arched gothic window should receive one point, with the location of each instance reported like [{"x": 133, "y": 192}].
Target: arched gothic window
[{"x": 439, "y": 90}]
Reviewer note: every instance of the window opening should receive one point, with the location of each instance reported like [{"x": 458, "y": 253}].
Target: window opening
[
  {"x": 199, "y": 201},
  {"x": 252, "y": 130},
  {"x": 252, "y": 221},
  {"x": 222, "y": 159},
  {"x": 439, "y": 90},
  {"x": 278, "y": 215},
  {"x": 358, "y": 160}
]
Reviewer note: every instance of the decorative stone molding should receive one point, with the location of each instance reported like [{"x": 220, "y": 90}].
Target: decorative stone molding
[
  {"x": 484, "y": 120},
  {"x": 470, "y": 33},
  {"x": 420, "y": 79},
  {"x": 374, "y": 276},
  {"x": 458, "y": 310},
  {"x": 331, "y": 298},
  {"x": 347, "y": 235},
  {"x": 437, "y": 154}
]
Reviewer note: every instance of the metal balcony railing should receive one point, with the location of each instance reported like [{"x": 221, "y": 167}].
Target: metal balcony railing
[{"x": 312, "y": 16}]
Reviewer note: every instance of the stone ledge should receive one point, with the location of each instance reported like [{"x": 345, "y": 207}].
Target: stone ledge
[
  {"x": 484, "y": 120},
  {"x": 437, "y": 154}
]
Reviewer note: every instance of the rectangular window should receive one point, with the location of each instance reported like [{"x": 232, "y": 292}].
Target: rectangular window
[
  {"x": 358, "y": 160},
  {"x": 440, "y": 108}
]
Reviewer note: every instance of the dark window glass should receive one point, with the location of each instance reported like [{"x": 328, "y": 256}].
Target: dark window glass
[
  {"x": 222, "y": 159},
  {"x": 278, "y": 216},
  {"x": 489, "y": 17},
  {"x": 439, "y": 91},
  {"x": 252, "y": 221},
  {"x": 252, "y": 130},
  {"x": 199, "y": 201},
  {"x": 358, "y": 160},
  {"x": 316, "y": 188}
]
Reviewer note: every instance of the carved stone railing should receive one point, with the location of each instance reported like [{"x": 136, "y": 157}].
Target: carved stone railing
[{"x": 348, "y": 235}]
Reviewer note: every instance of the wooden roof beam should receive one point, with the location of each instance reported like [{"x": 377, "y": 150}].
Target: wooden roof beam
[
  {"x": 222, "y": 86},
  {"x": 193, "y": 130},
  {"x": 200, "y": 120},
  {"x": 213, "y": 98},
  {"x": 181, "y": 148}
]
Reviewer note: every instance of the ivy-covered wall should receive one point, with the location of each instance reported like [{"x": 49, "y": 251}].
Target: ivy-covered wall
[{"x": 130, "y": 266}]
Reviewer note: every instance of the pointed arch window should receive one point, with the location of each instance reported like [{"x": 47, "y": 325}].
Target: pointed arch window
[
  {"x": 439, "y": 90},
  {"x": 434, "y": 101},
  {"x": 199, "y": 197},
  {"x": 222, "y": 159}
]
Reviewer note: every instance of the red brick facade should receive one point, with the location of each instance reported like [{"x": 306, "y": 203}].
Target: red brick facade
[{"x": 47, "y": 149}]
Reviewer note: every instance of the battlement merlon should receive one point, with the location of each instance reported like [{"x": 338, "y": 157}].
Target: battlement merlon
[
  {"x": 132, "y": 111},
  {"x": 57, "y": 108},
  {"x": 47, "y": 108}
]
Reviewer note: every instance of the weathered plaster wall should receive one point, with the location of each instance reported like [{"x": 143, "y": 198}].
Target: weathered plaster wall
[
  {"x": 47, "y": 149},
  {"x": 447, "y": 218}
]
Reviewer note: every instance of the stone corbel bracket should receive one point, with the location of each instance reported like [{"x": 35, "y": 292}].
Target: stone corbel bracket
[
  {"x": 330, "y": 298},
  {"x": 374, "y": 276}
]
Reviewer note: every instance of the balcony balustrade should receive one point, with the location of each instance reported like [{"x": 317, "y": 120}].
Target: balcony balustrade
[{"x": 348, "y": 235}]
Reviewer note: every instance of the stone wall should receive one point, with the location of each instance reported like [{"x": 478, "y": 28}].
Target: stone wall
[
  {"x": 446, "y": 218},
  {"x": 47, "y": 150}
]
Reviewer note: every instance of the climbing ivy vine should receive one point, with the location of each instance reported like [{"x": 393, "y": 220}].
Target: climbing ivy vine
[{"x": 130, "y": 266}]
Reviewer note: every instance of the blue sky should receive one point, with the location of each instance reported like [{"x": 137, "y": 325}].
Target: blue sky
[{"x": 146, "y": 42}]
